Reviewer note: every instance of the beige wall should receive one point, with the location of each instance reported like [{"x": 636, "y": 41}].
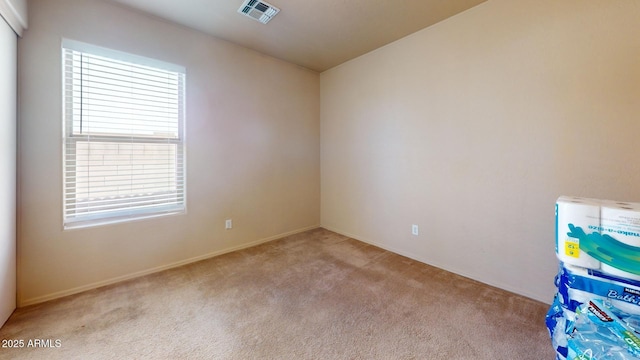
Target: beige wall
[
  {"x": 252, "y": 151},
  {"x": 472, "y": 128}
]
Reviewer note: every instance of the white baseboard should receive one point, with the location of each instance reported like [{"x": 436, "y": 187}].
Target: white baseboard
[{"x": 79, "y": 289}]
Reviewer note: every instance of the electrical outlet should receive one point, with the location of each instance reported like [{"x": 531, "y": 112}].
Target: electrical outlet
[
  {"x": 228, "y": 224},
  {"x": 414, "y": 230}
]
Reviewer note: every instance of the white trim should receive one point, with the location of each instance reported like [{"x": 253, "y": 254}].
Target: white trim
[
  {"x": 8, "y": 128},
  {"x": 12, "y": 16},
  {"x": 121, "y": 56},
  {"x": 126, "y": 217},
  {"x": 79, "y": 289}
]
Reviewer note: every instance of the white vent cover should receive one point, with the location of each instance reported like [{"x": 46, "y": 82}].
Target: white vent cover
[{"x": 258, "y": 10}]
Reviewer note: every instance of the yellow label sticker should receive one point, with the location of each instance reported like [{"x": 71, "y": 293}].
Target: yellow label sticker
[{"x": 572, "y": 248}]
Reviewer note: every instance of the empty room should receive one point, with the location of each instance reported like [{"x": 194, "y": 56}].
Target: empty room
[{"x": 239, "y": 179}]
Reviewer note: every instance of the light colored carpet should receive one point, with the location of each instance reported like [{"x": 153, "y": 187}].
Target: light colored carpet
[{"x": 314, "y": 295}]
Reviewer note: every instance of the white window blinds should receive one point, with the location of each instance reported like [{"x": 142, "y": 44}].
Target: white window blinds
[{"x": 123, "y": 136}]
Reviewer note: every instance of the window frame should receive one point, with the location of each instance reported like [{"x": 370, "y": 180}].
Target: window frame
[{"x": 70, "y": 140}]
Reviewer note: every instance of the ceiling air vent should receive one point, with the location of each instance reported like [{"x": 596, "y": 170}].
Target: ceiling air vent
[{"x": 258, "y": 10}]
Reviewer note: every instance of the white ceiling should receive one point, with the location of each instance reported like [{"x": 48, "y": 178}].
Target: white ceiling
[{"x": 316, "y": 34}]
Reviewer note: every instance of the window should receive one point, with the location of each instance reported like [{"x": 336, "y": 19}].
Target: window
[{"x": 123, "y": 136}]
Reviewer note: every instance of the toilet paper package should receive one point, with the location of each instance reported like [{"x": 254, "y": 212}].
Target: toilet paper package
[
  {"x": 572, "y": 212},
  {"x": 571, "y": 338},
  {"x": 598, "y": 333},
  {"x": 577, "y": 286},
  {"x": 558, "y": 319}
]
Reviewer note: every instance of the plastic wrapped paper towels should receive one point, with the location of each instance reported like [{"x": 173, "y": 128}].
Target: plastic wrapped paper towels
[
  {"x": 599, "y": 234},
  {"x": 621, "y": 221},
  {"x": 608, "y": 269},
  {"x": 598, "y": 244},
  {"x": 572, "y": 212}
]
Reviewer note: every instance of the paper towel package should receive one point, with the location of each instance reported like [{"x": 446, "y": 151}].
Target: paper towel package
[
  {"x": 596, "y": 310},
  {"x": 599, "y": 234},
  {"x": 608, "y": 269},
  {"x": 621, "y": 221},
  {"x": 575, "y": 212}
]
